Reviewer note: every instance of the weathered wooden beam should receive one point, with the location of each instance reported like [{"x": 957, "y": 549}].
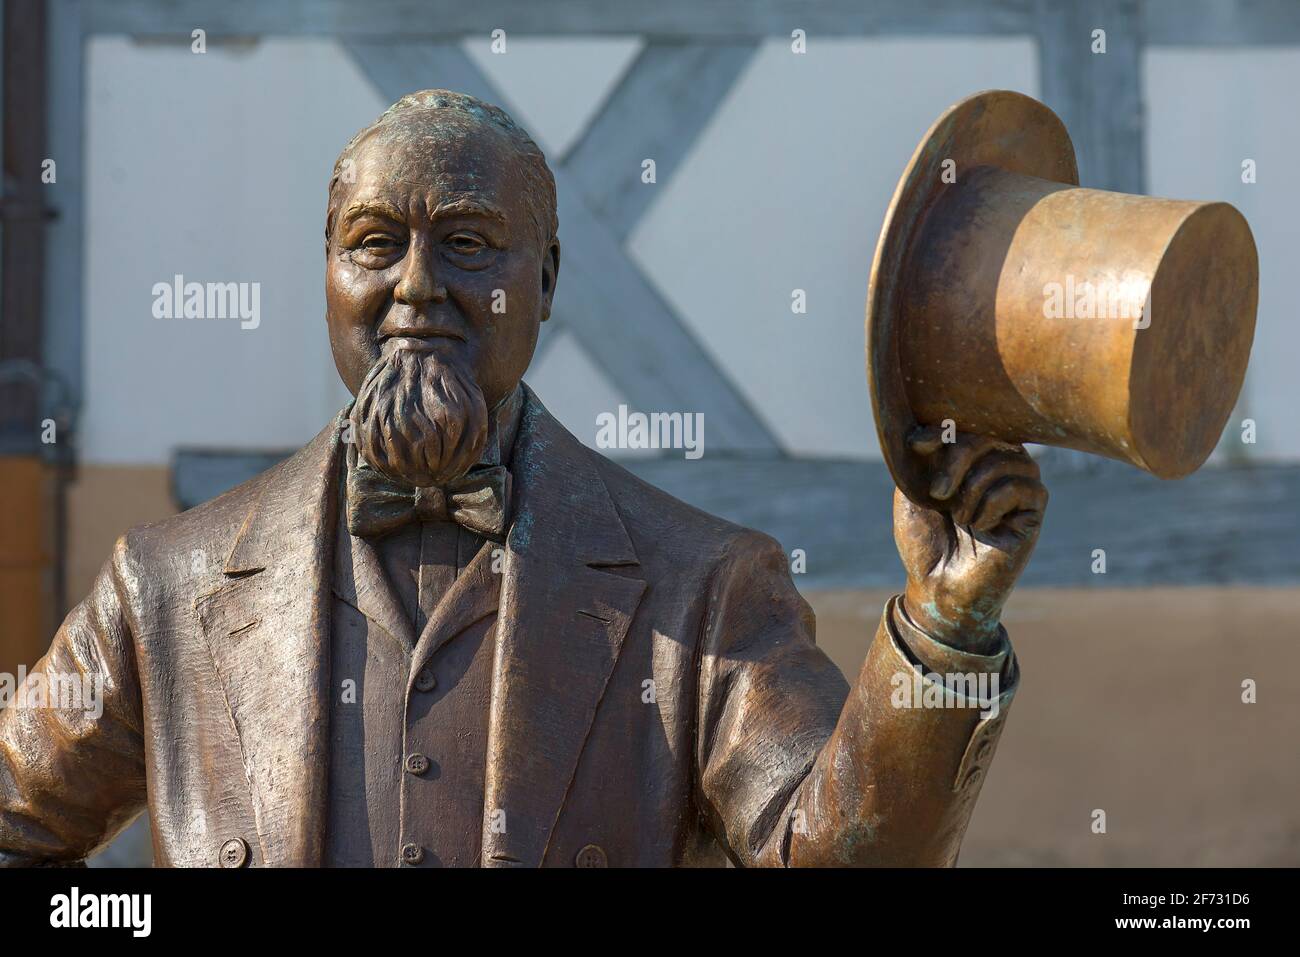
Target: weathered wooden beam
[
  {"x": 662, "y": 19},
  {"x": 663, "y": 102},
  {"x": 1165, "y": 22},
  {"x": 630, "y": 331},
  {"x": 1218, "y": 526},
  {"x": 1218, "y": 23},
  {"x": 1097, "y": 95},
  {"x": 64, "y": 234},
  {"x": 23, "y": 213},
  {"x": 618, "y": 316}
]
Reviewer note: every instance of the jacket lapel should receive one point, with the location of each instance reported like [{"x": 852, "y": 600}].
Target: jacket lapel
[
  {"x": 267, "y": 628},
  {"x": 568, "y": 597}
]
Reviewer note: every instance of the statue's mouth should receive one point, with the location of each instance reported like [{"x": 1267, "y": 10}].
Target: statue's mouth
[{"x": 426, "y": 342}]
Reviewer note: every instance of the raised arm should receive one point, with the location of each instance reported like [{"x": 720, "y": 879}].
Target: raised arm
[{"x": 797, "y": 769}]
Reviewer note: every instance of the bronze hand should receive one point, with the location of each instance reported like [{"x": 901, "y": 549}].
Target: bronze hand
[{"x": 963, "y": 562}]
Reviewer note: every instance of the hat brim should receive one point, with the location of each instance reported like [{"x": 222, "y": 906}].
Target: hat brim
[{"x": 996, "y": 128}]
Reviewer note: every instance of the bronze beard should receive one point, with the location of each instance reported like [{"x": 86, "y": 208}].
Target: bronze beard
[{"x": 420, "y": 417}]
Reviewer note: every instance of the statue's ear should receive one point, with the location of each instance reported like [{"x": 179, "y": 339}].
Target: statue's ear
[{"x": 550, "y": 275}]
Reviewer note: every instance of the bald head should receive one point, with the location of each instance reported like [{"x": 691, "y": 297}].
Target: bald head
[{"x": 432, "y": 121}]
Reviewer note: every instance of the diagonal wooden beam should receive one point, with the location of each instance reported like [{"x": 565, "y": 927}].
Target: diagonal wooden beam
[
  {"x": 723, "y": 20},
  {"x": 659, "y": 108},
  {"x": 602, "y": 297}
]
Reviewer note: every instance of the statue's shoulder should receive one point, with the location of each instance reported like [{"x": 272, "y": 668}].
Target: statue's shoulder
[
  {"x": 688, "y": 540},
  {"x": 659, "y": 520},
  {"x": 210, "y": 528}
]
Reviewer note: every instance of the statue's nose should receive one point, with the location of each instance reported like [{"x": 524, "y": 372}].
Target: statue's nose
[{"x": 420, "y": 283}]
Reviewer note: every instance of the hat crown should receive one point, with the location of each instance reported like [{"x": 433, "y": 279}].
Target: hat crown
[{"x": 1026, "y": 308}]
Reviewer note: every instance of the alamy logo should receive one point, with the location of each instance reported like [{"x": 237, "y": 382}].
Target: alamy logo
[
  {"x": 657, "y": 430},
  {"x": 53, "y": 690},
  {"x": 179, "y": 299},
  {"x": 952, "y": 690},
  {"x": 103, "y": 910},
  {"x": 1083, "y": 300}
]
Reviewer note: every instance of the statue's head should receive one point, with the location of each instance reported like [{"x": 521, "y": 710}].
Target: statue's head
[{"x": 441, "y": 263}]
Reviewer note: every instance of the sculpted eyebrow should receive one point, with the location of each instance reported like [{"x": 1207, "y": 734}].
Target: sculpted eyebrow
[
  {"x": 467, "y": 206},
  {"x": 459, "y": 206},
  {"x": 373, "y": 207}
]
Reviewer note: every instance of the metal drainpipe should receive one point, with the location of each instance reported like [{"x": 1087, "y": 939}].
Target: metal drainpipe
[{"x": 28, "y": 488}]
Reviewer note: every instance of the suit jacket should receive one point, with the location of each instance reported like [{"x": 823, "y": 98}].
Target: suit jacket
[{"x": 657, "y": 695}]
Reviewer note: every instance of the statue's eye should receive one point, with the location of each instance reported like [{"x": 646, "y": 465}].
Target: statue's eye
[
  {"x": 465, "y": 243},
  {"x": 379, "y": 242}
]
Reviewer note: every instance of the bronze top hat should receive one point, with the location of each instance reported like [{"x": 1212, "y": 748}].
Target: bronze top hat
[{"x": 1015, "y": 304}]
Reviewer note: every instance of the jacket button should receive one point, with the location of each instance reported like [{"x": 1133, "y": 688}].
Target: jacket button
[
  {"x": 234, "y": 853},
  {"x": 591, "y": 856},
  {"x": 412, "y": 854},
  {"x": 425, "y": 679},
  {"x": 417, "y": 763}
]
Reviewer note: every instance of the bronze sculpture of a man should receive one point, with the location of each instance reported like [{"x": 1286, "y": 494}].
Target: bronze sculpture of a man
[{"x": 447, "y": 633}]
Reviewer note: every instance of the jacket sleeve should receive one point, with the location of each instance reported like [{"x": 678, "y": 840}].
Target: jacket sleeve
[
  {"x": 71, "y": 749},
  {"x": 795, "y": 768}
]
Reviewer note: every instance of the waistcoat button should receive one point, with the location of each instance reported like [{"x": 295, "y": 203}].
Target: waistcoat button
[
  {"x": 417, "y": 763},
  {"x": 593, "y": 855},
  {"x": 234, "y": 853},
  {"x": 412, "y": 854}
]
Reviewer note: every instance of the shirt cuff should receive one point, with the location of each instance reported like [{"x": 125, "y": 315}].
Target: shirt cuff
[{"x": 934, "y": 655}]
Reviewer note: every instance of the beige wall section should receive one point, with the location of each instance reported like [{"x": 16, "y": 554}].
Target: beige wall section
[
  {"x": 1131, "y": 703},
  {"x": 103, "y": 503},
  {"x": 26, "y": 553}
]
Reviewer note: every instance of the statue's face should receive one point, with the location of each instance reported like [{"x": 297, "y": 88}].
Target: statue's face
[{"x": 434, "y": 249}]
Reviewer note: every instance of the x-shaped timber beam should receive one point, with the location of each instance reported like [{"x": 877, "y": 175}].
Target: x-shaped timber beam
[{"x": 660, "y": 106}]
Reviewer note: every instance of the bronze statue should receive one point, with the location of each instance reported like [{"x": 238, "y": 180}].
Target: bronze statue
[{"x": 447, "y": 633}]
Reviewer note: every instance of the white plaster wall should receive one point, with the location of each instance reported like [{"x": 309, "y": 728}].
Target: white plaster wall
[
  {"x": 554, "y": 85},
  {"x": 214, "y": 166},
  {"x": 1208, "y": 111},
  {"x": 786, "y": 190},
  {"x": 219, "y": 172}
]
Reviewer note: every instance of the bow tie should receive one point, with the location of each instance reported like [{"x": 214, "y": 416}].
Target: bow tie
[{"x": 478, "y": 501}]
